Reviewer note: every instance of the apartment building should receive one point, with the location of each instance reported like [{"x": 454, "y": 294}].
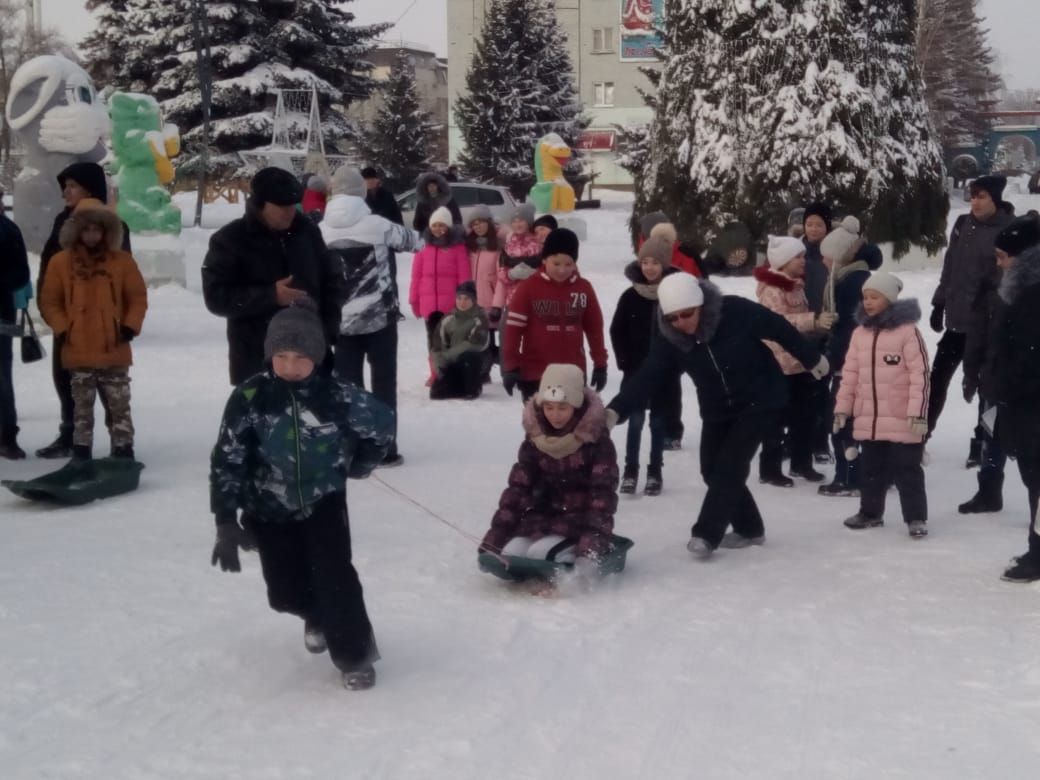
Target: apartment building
[{"x": 609, "y": 41}]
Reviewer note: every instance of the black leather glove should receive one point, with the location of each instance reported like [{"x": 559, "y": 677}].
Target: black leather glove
[
  {"x": 599, "y": 378},
  {"x": 225, "y": 551},
  {"x": 494, "y": 315},
  {"x": 126, "y": 334},
  {"x": 509, "y": 380},
  {"x": 936, "y": 320}
]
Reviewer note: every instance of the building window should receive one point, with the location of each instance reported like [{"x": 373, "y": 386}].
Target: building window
[
  {"x": 603, "y": 93},
  {"x": 602, "y": 40}
]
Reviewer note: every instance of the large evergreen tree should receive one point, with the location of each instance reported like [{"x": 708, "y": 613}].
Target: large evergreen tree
[
  {"x": 519, "y": 87},
  {"x": 256, "y": 47},
  {"x": 764, "y": 106},
  {"x": 399, "y": 139}
]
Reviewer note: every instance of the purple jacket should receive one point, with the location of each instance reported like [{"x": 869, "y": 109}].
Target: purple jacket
[{"x": 561, "y": 484}]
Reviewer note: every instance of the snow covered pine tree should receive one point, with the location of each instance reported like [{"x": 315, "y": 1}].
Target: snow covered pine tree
[
  {"x": 764, "y": 106},
  {"x": 520, "y": 86},
  {"x": 255, "y": 47},
  {"x": 399, "y": 139}
]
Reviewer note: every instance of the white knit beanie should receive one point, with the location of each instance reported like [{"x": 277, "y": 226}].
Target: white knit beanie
[
  {"x": 782, "y": 250},
  {"x": 885, "y": 283},
  {"x": 441, "y": 215},
  {"x": 678, "y": 292},
  {"x": 562, "y": 383},
  {"x": 838, "y": 244}
]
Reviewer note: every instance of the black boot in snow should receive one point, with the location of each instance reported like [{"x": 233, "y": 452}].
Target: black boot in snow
[
  {"x": 1026, "y": 568},
  {"x": 859, "y": 521},
  {"x": 360, "y": 679},
  {"x": 776, "y": 480},
  {"x": 123, "y": 451},
  {"x": 837, "y": 488},
  {"x": 629, "y": 480},
  {"x": 808, "y": 473},
  {"x": 81, "y": 452},
  {"x": 11, "y": 451},
  {"x": 989, "y": 497},
  {"x": 654, "y": 483},
  {"x": 59, "y": 448}
]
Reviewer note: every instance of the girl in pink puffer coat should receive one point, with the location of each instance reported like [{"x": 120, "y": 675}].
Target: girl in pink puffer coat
[{"x": 884, "y": 388}]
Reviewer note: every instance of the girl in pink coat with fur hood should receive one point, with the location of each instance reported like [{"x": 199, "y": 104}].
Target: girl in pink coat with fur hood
[{"x": 884, "y": 388}]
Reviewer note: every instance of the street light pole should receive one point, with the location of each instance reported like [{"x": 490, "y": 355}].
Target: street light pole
[{"x": 202, "y": 69}]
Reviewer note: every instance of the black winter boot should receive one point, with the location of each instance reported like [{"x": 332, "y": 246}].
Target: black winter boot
[
  {"x": 59, "y": 448},
  {"x": 776, "y": 480},
  {"x": 808, "y": 473},
  {"x": 11, "y": 451},
  {"x": 989, "y": 497},
  {"x": 81, "y": 452},
  {"x": 125, "y": 451},
  {"x": 1026, "y": 568},
  {"x": 629, "y": 479},
  {"x": 859, "y": 521},
  {"x": 653, "y": 481}
]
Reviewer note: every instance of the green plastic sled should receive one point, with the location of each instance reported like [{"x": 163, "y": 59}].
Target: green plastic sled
[
  {"x": 517, "y": 569},
  {"x": 80, "y": 482}
]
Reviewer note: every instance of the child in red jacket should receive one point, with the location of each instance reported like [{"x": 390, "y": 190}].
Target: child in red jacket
[{"x": 549, "y": 318}]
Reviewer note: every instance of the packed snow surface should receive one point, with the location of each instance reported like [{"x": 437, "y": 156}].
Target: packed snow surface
[{"x": 825, "y": 653}]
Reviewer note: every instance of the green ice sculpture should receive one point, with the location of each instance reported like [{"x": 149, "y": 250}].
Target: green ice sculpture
[{"x": 143, "y": 146}]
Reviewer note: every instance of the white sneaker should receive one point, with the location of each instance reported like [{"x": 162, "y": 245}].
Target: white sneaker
[{"x": 699, "y": 547}]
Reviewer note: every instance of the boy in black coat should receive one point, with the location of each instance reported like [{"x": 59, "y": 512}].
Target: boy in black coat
[
  {"x": 717, "y": 340},
  {"x": 631, "y": 331},
  {"x": 14, "y": 275}
]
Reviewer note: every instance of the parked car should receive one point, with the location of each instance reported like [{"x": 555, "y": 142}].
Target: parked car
[{"x": 467, "y": 195}]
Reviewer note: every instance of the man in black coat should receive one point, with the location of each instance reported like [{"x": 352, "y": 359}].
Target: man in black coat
[
  {"x": 77, "y": 181},
  {"x": 717, "y": 340},
  {"x": 263, "y": 262},
  {"x": 431, "y": 192},
  {"x": 379, "y": 199},
  {"x": 14, "y": 275},
  {"x": 967, "y": 265},
  {"x": 1011, "y": 372}
]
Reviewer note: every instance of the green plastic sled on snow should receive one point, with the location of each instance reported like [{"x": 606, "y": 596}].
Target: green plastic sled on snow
[
  {"x": 517, "y": 569},
  {"x": 80, "y": 481}
]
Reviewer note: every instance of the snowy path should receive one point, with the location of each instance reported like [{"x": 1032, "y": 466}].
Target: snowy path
[{"x": 824, "y": 654}]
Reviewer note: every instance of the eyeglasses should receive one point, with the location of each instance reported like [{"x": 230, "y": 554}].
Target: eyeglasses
[{"x": 680, "y": 315}]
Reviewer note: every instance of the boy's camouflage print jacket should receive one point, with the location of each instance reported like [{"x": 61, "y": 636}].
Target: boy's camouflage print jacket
[{"x": 284, "y": 445}]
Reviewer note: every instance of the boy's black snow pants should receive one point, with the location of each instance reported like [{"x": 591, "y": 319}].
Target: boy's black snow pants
[
  {"x": 461, "y": 378},
  {"x": 380, "y": 348},
  {"x": 308, "y": 571},
  {"x": 727, "y": 449},
  {"x": 885, "y": 462}
]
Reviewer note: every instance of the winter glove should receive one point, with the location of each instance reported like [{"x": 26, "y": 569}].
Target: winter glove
[
  {"x": 612, "y": 418},
  {"x": 126, "y": 334},
  {"x": 821, "y": 369},
  {"x": 509, "y": 380},
  {"x": 494, "y": 315},
  {"x": 599, "y": 378},
  {"x": 936, "y": 320},
  {"x": 225, "y": 551},
  {"x": 825, "y": 321},
  {"x": 840, "y": 421},
  {"x": 969, "y": 387},
  {"x": 918, "y": 426}
]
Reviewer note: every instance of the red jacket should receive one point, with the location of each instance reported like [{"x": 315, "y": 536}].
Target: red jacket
[
  {"x": 548, "y": 322},
  {"x": 681, "y": 260}
]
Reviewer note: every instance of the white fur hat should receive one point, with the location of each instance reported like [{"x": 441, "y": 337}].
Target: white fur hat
[
  {"x": 679, "y": 291},
  {"x": 782, "y": 250},
  {"x": 885, "y": 283},
  {"x": 562, "y": 383},
  {"x": 441, "y": 215}
]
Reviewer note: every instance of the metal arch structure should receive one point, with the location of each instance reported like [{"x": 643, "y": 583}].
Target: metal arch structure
[{"x": 984, "y": 153}]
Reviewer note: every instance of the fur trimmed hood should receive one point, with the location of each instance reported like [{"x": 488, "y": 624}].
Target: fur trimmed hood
[
  {"x": 444, "y": 189},
  {"x": 711, "y": 316},
  {"x": 91, "y": 211},
  {"x": 1023, "y": 274},
  {"x": 766, "y": 275},
  {"x": 587, "y": 425},
  {"x": 904, "y": 312}
]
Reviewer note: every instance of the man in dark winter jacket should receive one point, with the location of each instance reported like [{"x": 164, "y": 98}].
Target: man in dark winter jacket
[
  {"x": 14, "y": 275},
  {"x": 1012, "y": 377},
  {"x": 967, "y": 265},
  {"x": 379, "y": 199},
  {"x": 717, "y": 340},
  {"x": 78, "y": 181},
  {"x": 261, "y": 263},
  {"x": 431, "y": 192}
]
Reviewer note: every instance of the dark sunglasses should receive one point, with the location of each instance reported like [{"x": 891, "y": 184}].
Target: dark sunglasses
[{"x": 680, "y": 315}]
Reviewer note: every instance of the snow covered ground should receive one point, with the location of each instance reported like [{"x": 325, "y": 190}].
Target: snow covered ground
[{"x": 824, "y": 654}]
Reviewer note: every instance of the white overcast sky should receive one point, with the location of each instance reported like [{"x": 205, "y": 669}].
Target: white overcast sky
[{"x": 1014, "y": 28}]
